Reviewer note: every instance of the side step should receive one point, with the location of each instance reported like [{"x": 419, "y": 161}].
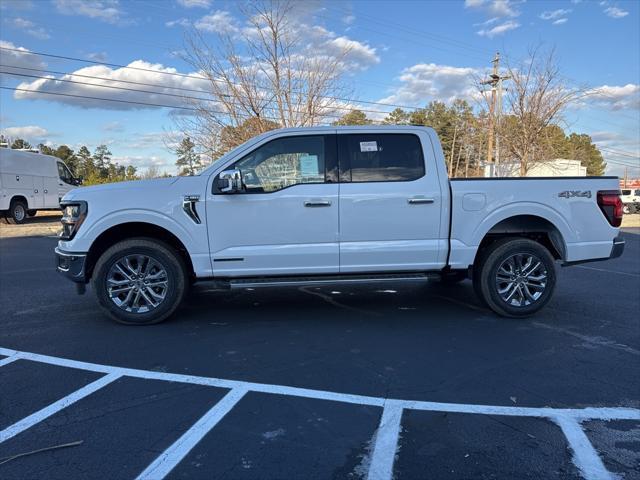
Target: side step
[{"x": 324, "y": 280}]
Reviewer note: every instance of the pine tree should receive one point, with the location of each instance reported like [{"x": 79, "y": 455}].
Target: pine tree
[
  {"x": 354, "y": 117},
  {"x": 20, "y": 143},
  {"x": 188, "y": 162}
]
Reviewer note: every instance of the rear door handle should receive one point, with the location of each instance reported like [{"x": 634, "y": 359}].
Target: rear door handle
[
  {"x": 420, "y": 200},
  {"x": 317, "y": 203}
]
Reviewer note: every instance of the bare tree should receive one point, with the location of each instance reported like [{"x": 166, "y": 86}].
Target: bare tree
[
  {"x": 261, "y": 75},
  {"x": 536, "y": 98}
]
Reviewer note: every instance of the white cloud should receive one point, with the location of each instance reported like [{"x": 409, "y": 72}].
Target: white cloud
[
  {"x": 31, "y": 133},
  {"x": 97, "y": 56},
  {"x": 31, "y": 28},
  {"x": 142, "y": 161},
  {"x": 183, "y": 22},
  {"x": 113, "y": 127},
  {"x": 498, "y": 8},
  {"x": 219, "y": 21},
  {"x": 424, "y": 82},
  {"x": 348, "y": 19},
  {"x": 105, "y": 10},
  {"x": 616, "y": 97},
  {"x": 499, "y": 29},
  {"x": 195, "y": 3},
  {"x": 152, "y": 74},
  {"x": 615, "y": 12},
  {"x": 358, "y": 54},
  {"x": 560, "y": 21},
  {"x": 17, "y": 58},
  {"x": 555, "y": 14}
]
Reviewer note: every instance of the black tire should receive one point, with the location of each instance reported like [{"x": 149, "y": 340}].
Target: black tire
[
  {"x": 32, "y": 213},
  {"x": 501, "y": 252},
  {"x": 626, "y": 209},
  {"x": 453, "y": 277},
  {"x": 17, "y": 213},
  {"x": 176, "y": 280}
]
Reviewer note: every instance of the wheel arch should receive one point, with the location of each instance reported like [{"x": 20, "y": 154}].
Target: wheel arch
[
  {"x": 127, "y": 230},
  {"x": 535, "y": 227}
]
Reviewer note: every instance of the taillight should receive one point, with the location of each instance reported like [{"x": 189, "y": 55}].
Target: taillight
[{"x": 610, "y": 203}]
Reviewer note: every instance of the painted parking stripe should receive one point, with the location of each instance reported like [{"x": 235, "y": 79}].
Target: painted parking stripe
[
  {"x": 386, "y": 443},
  {"x": 589, "y": 413},
  {"x": 10, "y": 359},
  {"x": 46, "y": 412},
  {"x": 585, "y": 456},
  {"x": 173, "y": 455}
]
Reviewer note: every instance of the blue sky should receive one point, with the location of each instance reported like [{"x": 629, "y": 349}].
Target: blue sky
[{"x": 402, "y": 52}]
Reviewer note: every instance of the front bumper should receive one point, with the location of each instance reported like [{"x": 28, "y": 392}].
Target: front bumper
[{"x": 71, "y": 265}]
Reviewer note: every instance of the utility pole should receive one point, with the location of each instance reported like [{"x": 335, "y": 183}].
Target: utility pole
[{"x": 495, "y": 110}]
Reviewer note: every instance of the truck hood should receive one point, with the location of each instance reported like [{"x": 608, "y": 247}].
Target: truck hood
[{"x": 156, "y": 184}]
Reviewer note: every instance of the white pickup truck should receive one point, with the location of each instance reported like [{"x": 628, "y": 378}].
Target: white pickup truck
[{"x": 328, "y": 205}]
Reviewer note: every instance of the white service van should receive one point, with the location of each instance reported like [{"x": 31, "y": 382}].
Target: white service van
[{"x": 31, "y": 181}]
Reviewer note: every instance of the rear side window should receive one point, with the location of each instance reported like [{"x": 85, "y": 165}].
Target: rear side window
[{"x": 380, "y": 157}]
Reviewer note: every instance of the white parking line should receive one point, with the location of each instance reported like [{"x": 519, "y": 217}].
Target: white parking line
[
  {"x": 386, "y": 443},
  {"x": 585, "y": 456},
  {"x": 10, "y": 359},
  {"x": 173, "y": 455},
  {"x": 55, "y": 407},
  {"x": 386, "y": 439},
  {"x": 608, "y": 271}
]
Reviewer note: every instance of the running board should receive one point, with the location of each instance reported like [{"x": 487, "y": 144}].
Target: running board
[{"x": 324, "y": 280}]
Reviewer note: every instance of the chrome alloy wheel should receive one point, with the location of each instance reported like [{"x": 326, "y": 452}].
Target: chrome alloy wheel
[
  {"x": 137, "y": 283},
  {"x": 521, "y": 279}
]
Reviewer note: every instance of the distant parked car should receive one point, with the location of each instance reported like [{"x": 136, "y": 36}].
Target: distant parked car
[
  {"x": 31, "y": 181},
  {"x": 631, "y": 200}
]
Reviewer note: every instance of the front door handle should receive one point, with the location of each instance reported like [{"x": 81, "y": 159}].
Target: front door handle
[
  {"x": 420, "y": 200},
  {"x": 317, "y": 203}
]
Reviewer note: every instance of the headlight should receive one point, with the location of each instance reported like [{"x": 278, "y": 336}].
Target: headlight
[{"x": 73, "y": 214}]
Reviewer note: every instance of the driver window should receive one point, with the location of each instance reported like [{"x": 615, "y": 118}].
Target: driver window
[
  {"x": 284, "y": 162},
  {"x": 64, "y": 173}
]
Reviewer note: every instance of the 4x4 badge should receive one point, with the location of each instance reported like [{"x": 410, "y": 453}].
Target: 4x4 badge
[{"x": 575, "y": 193}]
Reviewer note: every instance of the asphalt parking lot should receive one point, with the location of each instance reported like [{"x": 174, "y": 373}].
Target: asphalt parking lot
[{"x": 390, "y": 381}]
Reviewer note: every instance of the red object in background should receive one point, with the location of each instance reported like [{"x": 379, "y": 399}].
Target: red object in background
[{"x": 631, "y": 183}]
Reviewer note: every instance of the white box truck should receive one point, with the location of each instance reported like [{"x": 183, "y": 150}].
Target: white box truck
[{"x": 31, "y": 181}]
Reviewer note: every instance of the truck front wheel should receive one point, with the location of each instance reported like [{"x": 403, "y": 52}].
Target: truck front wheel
[
  {"x": 140, "y": 281},
  {"x": 515, "y": 277}
]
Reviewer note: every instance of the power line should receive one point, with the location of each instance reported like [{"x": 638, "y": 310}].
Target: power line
[
  {"x": 184, "y": 75},
  {"x": 93, "y": 77}
]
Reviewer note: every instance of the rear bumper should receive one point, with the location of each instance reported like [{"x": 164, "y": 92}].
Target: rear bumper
[
  {"x": 618, "y": 247},
  {"x": 616, "y": 250},
  {"x": 71, "y": 265}
]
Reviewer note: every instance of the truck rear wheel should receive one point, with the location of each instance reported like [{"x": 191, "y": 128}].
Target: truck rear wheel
[
  {"x": 17, "y": 213},
  {"x": 515, "y": 277},
  {"x": 140, "y": 281}
]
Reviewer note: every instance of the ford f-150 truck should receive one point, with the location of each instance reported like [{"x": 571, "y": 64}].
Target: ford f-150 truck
[{"x": 333, "y": 204}]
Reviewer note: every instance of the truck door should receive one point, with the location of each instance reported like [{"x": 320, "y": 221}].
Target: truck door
[
  {"x": 285, "y": 221},
  {"x": 390, "y": 204}
]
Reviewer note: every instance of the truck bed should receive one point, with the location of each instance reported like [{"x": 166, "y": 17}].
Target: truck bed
[{"x": 568, "y": 204}]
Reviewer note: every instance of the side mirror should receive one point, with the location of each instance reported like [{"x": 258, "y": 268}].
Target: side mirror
[
  {"x": 230, "y": 181},
  {"x": 77, "y": 181}
]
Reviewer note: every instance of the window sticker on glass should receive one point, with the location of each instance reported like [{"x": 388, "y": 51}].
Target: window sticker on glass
[
  {"x": 309, "y": 166},
  {"x": 368, "y": 146}
]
